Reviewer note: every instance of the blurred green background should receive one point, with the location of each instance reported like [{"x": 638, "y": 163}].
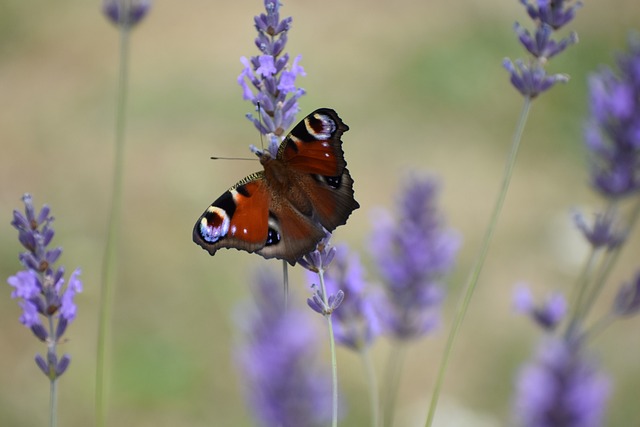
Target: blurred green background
[{"x": 422, "y": 88}]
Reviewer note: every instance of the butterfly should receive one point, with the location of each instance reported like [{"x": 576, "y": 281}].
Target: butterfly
[{"x": 283, "y": 211}]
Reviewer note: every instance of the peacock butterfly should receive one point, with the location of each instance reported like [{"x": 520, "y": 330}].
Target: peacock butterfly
[{"x": 283, "y": 211}]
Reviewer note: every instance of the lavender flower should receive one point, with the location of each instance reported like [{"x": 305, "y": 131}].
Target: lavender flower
[
  {"x": 562, "y": 387},
  {"x": 413, "y": 254},
  {"x": 530, "y": 78},
  {"x": 547, "y": 315},
  {"x": 271, "y": 75},
  {"x": 613, "y": 129},
  {"x": 126, "y": 13},
  {"x": 284, "y": 386},
  {"x": 355, "y": 322},
  {"x": 627, "y": 301},
  {"x": 40, "y": 287},
  {"x": 605, "y": 232}
]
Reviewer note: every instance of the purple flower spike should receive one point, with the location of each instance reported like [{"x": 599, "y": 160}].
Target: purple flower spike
[
  {"x": 285, "y": 386},
  {"x": 268, "y": 80},
  {"x": 613, "y": 129},
  {"x": 562, "y": 387},
  {"x": 530, "y": 77},
  {"x": 355, "y": 322},
  {"x": 321, "y": 257},
  {"x": 413, "y": 254},
  {"x": 40, "y": 287},
  {"x": 531, "y": 80},
  {"x": 126, "y": 13},
  {"x": 555, "y": 13}
]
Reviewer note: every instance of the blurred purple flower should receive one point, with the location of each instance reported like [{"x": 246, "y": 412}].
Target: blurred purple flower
[
  {"x": 268, "y": 79},
  {"x": 627, "y": 301},
  {"x": 355, "y": 321},
  {"x": 547, "y": 315},
  {"x": 284, "y": 385},
  {"x": 562, "y": 387},
  {"x": 531, "y": 78},
  {"x": 613, "y": 130},
  {"x": 413, "y": 254},
  {"x": 605, "y": 231},
  {"x": 126, "y": 13},
  {"x": 40, "y": 287}
]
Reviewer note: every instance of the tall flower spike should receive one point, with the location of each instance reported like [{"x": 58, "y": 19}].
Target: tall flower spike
[
  {"x": 530, "y": 78},
  {"x": 613, "y": 129},
  {"x": 40, "y": 287},
  {"x": 413, "y": 254},
  {"x": 562, "y": 387},
  {"x": 268, "y": 80},
  {"x": 284, "y": 385}
]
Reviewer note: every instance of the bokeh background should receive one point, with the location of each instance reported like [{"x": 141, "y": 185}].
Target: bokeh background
[{"x": 422, "y": 88}]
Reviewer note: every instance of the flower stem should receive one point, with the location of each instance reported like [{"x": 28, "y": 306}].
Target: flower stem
[
  {"x": 109, "y": 260},
  {"x": 332, "y": 345},
  {"x": 374, "y": 400},
  {"x": 53, "y": 380},
  {"x": 53, "y": 403},
  {"x": 285, "y": 281},
  {"x": 606, "y": 266},
  {"x": 392, "y": 381},
  {"x": 474, "y": 275}
]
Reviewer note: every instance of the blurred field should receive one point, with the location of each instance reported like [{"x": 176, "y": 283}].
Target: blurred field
[{"x": 422, "y": 88}]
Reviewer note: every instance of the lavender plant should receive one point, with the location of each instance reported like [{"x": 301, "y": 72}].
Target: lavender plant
[
  {"x": 355, "y": 320},
  {"x": 284, "y": 385},
  {"x": 325, "y": 304},
  {"x": 564, "y": 386},
  {"x": 125, "y": 14},
  {"x": 47, "y": 305},
  {"x": 413, "y": 253},
  {"x": 268, "y": 80},
  {"x": 531, "y": 79}
]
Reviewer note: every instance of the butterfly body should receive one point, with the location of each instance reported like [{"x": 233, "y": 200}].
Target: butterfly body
[{"x": 283, "y": 211}]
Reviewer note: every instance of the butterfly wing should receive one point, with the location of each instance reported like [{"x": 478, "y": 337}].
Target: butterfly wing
[
  {"x": 313, "y": 150},
  {"x": 237, "y": 219}
]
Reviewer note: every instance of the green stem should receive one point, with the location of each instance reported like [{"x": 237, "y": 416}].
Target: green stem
[
  {"x": 53, "y": 403},
  {"x": 53, "y": 380},
  {"x": 373, "y": 386},
  {"x": 110, "y": 251},
  {"x": 472, "y": 280},
  {"x": 332, "y": 345},
  {"x": 285, "y": 280},
  {"x": 392, "y": 381}
]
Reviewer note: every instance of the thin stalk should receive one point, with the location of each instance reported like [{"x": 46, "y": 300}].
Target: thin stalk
[
  {"x": 53, "y": 403},
  {"x": 53, "y": 380},
  {"x": 332, "y": 345},
  {"x": 392, "y": 381},
  {"x": 285, "y": 281},
  {"x": 608, "y": 264},
  {"x": 374, "y": 400},
  {"x": 110, "y": 251},
  {"x": 474, "y": 275},
  {"x": 582, "y": 283}
]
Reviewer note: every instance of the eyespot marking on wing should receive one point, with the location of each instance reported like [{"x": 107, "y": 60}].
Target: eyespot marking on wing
[{"x": 214, "y": 224}]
